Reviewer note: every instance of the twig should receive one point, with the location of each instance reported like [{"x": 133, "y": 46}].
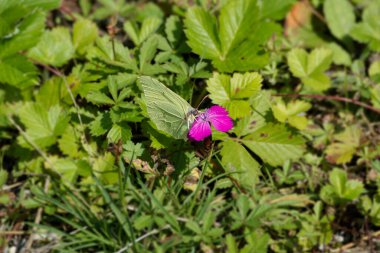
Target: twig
[
  {"x": 154, "y": 231},
  {"x": 14, "y": 232},
  {"x": 37, "y": 219},
  {"x": 352, "y": 244},
  {"x": 336, "y": 98},
  {"x": 315, "y": 12},
  {"x": 66, "y": 10},
  {"x": 9, "y": 187}
]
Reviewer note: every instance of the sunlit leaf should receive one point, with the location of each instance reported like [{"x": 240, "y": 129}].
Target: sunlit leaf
[
  {"x": 234, "y": 92},
  {"x": 274, "y": 144}
]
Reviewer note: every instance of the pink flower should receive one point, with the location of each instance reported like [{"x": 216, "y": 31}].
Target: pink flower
[{"x": 216, "y": 116}]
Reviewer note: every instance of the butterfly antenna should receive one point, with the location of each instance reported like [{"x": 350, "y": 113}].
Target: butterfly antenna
[{"x": 203, "y": 99}]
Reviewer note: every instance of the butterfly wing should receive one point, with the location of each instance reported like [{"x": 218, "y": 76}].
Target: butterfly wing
[{"x": 165, "y": 108}]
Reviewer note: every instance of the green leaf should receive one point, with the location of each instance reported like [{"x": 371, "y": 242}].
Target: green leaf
[
  {"x": 202, "y": 33},
  {"x": 310, "y": 68},
  {"x": 68, "y": 143},
  {"x": 237, "y": 45},
  {"x": 84, "y": 34},
  {"x": 65, "y": 167},
  {"x": 17, "y": 71},
  {"x": 261, "y": 106},
  {"x": 148, "y": 27},
  {"x": 101, "y": 124},
  {"x": 340, "y": 56},
  {"x": 275, "y": 144},
  {"x": 99, "y": 98},
  {"x": 341, "y": 190},
  {"x": 147, "y": 52},
  {"x": 119, "y": 132},
  {"x": 52, "y": 92},
  {"x": 234, "y": 93},
  {"x": 104, "y": 168},
  {"x": 11, "y": 12},
  {"x": 375, "y": 95},
  {"x": 132, "y": 151},
  {"x": 338, "y": 179},
  {"x": 55, "y": 47},
  {"x": 236, "y": 158},
  {"x": 345, "y": 145},
  {"x": 29, "y": 32},
  {"x": 291, "y": 112},
  {"x": 174, "y": 31},
  {"x": 275, "y": 9},
  {"x": 340, "y": 17},
  {"x": 3, "y": 177},
  {"x": 43, "y": 127},
  {"x": 44, "y": 4},
  {"x": 367, "y": 31}
]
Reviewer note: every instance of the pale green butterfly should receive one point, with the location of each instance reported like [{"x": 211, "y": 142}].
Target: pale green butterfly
[{"x": 171, "y": 113}]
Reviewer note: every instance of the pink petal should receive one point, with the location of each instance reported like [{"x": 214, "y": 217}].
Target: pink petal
[
  {"x": 218, "y": 116},
  {"x": 199, "y": 130}
]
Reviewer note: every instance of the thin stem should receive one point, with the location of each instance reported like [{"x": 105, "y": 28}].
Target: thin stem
[
  {"x": 336, "y": 98},
  {"x": 30, "y": 141},
  {"x": 154, "y": 231},
  {"x": 60, "y": 74}
]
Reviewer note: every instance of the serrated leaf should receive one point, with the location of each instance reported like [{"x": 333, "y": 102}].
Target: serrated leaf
[
  {"x": 42, "y": 126},
  {"x": 68, "y": 143},
  {"x": 112, "y": 52},
  {"x": 310, "y": 68},
  {"x": 259, "y": 114},
  {"x": 237, "y": 45},
  {"x": 119, "y": 132},
  {"x": 202, "y": 33},
  {"x": 99, "y": 98},
  {"x": 148, "y": 27},
  {"x": 44, "y": 4},
  {"x": 17, "y": 71},
  {"x": 275, "y": 9},
  {"x": 101, "y": 124},
  {"x": 340, "y": 55},
  {"x": 340, "y": 17},
  {"x": 236, "y": 158},
  {"x": 29, "y": 32},
  {"x": 174, "y": 30},
  {"x": 291, "y": 112},
  {"x": 275, "y": 144},
  {"x": 84, "y": 34},
  {"x": 367, "y": 31},
  {"x": 132, "y": 151},
  {"x": 11, "y": 12},
  {"x": 104, "y": 169},
  {"x": 341, "y": 190},
  {"x": 233, "y": 93},
  {"x": 345, "y": 145},
  {"x": 55, "y": 47},
  {"x": 65, "y": 167},
  {"x": 52, "y": 92}
]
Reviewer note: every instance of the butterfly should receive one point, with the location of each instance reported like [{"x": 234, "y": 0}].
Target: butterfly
[
  {"x": 169, "y": 112},
  {"x": 175, "y": 116}
]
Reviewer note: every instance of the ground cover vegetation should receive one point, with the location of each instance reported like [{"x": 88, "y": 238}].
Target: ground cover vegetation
[{"x": 89, "y": 161}]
